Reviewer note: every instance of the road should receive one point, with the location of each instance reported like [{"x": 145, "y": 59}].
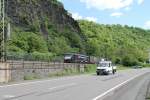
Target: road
[{"x": 125, "y": 85}]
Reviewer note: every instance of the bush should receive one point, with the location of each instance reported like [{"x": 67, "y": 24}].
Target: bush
[
  {"x": 28, "y": 42},
  {"x": 35, "y": 56},
  {"x": 14, "y": 48},
  {"x": 146, "y": 65},
  {"x": 15, "y": 55},
  {"x": 129, "y": 61},
  {"x": 90, "y": 68},
  {"x": 42, "y": 56}
]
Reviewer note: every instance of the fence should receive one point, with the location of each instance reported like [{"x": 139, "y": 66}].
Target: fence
[
  {"x": 20, "y": 66},
  {"x": 19, "y": 70},
  {"x": 4, "y": 72}
]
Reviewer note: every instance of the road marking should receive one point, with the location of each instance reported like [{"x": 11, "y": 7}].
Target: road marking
[
  {"x": 117, "y": 86},
  {"x": 41, "y": 81},
  {"x": 62, "y": 86},
  {"x": 26, "y": 83},
  {"x": 8, "y": 96}
]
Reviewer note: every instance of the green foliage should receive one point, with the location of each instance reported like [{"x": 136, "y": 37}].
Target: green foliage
[
  {"x": 40, "y": 35},
  {"x": 146, "y": 65},
  {"x": 42, "y": 56},
  {"x": 90, "y": 68},
  {"x": 59, "y": 45},
  {"x": 57, "y": 2},
  {"x": 129, "y": 60},
  {"x": 27, "y": 42},
  {"x": 14, "y": 48},
  {"x": 121, "y": 44},
  {"x": 43, "y": 30},
  {"x": 63, "y": 42},
  {"x": 35, "y": 56},
  {"x": 121, "y": 67},
  {"x": 31, "y": 77},
  {"x": 65, "y": 71}
]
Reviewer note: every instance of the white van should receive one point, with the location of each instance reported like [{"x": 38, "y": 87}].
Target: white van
[{"x": 105, "y": 68}]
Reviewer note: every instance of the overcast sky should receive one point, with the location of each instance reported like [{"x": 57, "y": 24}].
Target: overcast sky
[{"x": 129, "y": 12}]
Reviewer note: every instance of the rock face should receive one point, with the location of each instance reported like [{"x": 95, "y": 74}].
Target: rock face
[{"x": 39, "y": 15}]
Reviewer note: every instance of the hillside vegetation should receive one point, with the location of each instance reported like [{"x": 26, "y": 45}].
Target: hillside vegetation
[
  {"x": 42, "y": 27},
  {"x": 122, "y": 44},
  {"x": 46, "y": 29}
]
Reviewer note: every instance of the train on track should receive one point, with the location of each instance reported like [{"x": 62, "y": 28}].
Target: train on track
[{"x": 79, "y": 58}]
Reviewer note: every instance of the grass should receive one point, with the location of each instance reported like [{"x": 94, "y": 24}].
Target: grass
[
  {"x": 147, "y": 98},
  {"x": 121, "y": 67},
  {"x": 31, "y": 77},
  {"x": 65, "y": 72},
  {"x": 146, "y": 65},
  {"x": 89, "y": 68}
]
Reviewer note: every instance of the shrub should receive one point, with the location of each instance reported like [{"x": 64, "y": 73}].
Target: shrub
[
  {"x": 90, "y": 68},
  {"x": 129, "y": 61}
]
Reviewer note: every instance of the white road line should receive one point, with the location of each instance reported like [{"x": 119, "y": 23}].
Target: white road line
[
  {"x": 63, "y": 86},
  {"x": 8, "y": 96},
  {"x": 114, "y": 88},
  {"x": 41, "y": 81},
  {"x": 26, "y": 83}
]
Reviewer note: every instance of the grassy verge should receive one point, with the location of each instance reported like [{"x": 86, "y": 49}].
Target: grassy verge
[
  {"x": 31, "y": 77},
  {"x": 65, "y": 72},
  {"x": 121, "y": 67},
  {"x": 90, "y": 68},
  {"x": 146, "y": 65}
]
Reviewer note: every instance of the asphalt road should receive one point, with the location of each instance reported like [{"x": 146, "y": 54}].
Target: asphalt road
[{"x": 125, "y": 85}]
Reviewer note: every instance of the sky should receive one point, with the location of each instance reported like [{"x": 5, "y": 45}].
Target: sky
[{"x": 125, "y": 12}]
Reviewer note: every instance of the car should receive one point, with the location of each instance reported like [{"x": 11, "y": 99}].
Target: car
[{"x": 137, "y": 67}]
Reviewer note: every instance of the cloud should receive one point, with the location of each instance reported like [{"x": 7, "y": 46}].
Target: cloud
[
  {"x": 107, "y": 4},
  {"x": 116, "y": 14},
  {"x": 147, "y": 25},
  {"x": 77, "y": 16},
  {"x": 140, "y": 2},
  {"x": 93, "y": 19},
  {"x": 127, "y": 8}
]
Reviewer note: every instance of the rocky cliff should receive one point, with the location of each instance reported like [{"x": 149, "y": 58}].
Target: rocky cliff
[
  {"x": 47, "y": 17},
  {"x": 40, "y": 14}
]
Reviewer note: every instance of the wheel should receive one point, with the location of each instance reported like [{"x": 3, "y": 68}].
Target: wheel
[
  {"x": 98, "y": 73},
  {"x": 107, "y": 73},
  {"x": 113, "y": 71}
]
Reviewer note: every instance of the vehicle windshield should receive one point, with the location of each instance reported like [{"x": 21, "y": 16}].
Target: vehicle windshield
[{"x": 103, "y": 64}]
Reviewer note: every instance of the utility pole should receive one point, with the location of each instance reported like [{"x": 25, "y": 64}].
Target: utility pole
[
  {"x": 2, "y": 31},
  {"x": 149, "y": 56}
]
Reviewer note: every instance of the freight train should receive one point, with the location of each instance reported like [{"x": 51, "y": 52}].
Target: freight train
[{"x": 79, "y": 58}]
